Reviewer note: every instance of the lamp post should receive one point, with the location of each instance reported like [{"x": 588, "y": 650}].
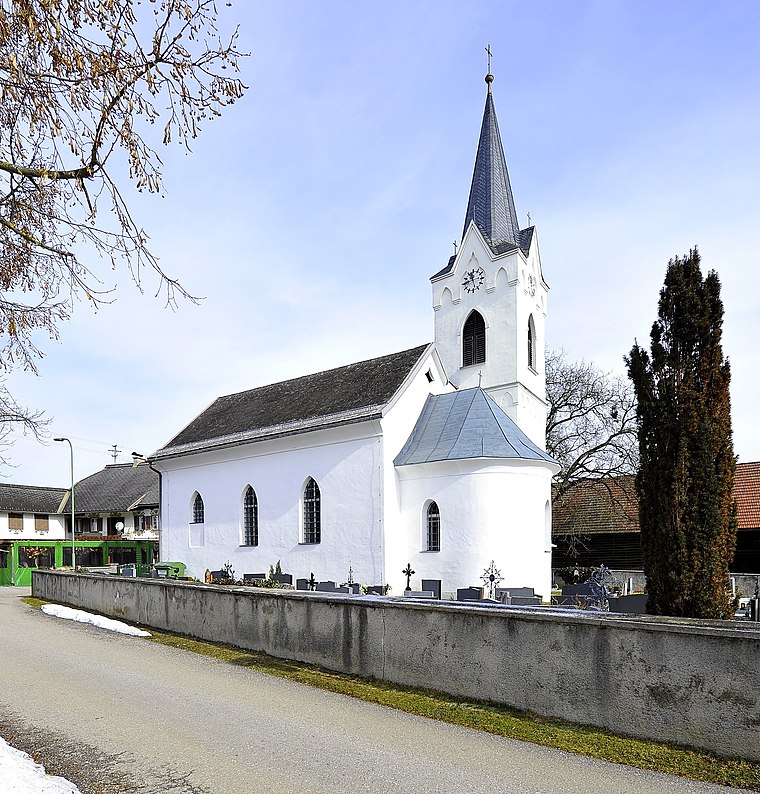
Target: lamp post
[{"x": 73, "y": 537}]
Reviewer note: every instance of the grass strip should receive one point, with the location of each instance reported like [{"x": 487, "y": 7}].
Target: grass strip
[{"x": 499, "y": 720}]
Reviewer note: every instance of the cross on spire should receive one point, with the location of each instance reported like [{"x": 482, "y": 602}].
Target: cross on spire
[{"x": 490, "y": 54}]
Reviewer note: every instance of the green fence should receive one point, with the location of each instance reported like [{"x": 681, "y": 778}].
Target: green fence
[{"x": 19, "y": 558}]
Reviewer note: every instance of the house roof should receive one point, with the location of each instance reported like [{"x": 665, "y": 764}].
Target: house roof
[
  {"x": 117, "y": 488},
  {"x": 352, "y": 393},
  {"x": 30, "y": 498},
  {"x": 491, "y": 205},
  {"x": 466, "y": 424},
  {"x": 610, "y": 505},
  {"x": 597, "y": 506},
  {"x": 747, "y": 494}
]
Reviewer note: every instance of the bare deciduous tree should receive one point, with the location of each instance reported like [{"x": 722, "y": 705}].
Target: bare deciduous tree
[
  {"x": 88, "y": 89},
  {"x": 591, "y": 423}
]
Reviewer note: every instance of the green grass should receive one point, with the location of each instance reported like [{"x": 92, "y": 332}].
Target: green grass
[{"x": 499, "y": 720}]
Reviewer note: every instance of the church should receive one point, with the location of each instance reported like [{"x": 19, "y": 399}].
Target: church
[{"x": 433, "y": 456}]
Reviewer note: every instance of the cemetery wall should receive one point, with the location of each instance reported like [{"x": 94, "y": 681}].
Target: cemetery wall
[{"x": 682, "y": 681}]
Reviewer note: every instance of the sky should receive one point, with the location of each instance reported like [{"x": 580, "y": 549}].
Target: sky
[{"x": 311, "y": 215}]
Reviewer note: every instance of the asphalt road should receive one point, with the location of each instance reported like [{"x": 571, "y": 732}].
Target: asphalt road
[{"x": 116, "y": 713}]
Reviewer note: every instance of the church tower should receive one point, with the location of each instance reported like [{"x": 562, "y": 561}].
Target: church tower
[{"x": 490, "y": 299}]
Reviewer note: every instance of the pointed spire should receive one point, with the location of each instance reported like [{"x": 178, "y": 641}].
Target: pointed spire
[{"x": 491, "y": 204}]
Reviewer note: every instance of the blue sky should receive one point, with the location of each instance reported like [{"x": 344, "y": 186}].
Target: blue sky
[{"x": 312, "y": 214}]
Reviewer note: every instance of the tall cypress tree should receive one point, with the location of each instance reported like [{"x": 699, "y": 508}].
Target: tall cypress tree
[{"x": 685, "y": 481}]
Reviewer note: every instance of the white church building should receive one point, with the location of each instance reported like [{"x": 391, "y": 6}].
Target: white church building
[{"x": 434, "y": 456}]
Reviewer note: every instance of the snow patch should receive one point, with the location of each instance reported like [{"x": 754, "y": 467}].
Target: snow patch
[
  {"x": 20, "y": 774},
  {"x": 58, "y": 611}
]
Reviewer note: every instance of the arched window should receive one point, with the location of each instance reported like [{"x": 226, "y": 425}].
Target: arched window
[
  {"x": 198, "y": 511},
  {"x": 312, "y": 513},
  {"x": 433, "y": 527},
  {"x": 250, "y": 518},
  {"x": 474, "y": 340},
  {"x": 531, "y": 343}
]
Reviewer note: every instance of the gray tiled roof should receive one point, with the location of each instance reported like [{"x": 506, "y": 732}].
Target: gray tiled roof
[
  {"x": 117, "y": 488},
  {"x": 30, "y": 498},
  {"x": 466, "y": 424},
  {"x": 338, "y": 396},
  {"x": 491, "y": 204}
]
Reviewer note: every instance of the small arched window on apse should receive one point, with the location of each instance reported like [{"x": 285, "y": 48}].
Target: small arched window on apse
[
  {"x": 474, "y": 340},
  {"x": 250, "y": 518},
  {"x": 199, "y": 513},
  {"x": 312, "y": 513},
  {"x": 433, "y": 528},
  {"x": 532, "y": 343}
]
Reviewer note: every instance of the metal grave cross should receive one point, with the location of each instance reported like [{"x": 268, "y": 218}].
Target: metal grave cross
[{"x": 408, "y": 572}]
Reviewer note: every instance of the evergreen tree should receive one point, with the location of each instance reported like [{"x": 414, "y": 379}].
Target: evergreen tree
[{"x": 685, "y": 481}]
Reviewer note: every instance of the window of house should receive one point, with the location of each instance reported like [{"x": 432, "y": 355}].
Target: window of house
[
  {"x": 198, "y": 510},
  {"x": 474, "y": 340},
  {"x": 433, "y": 528},
  {"x": 15, "y": 521},
  {"x": 531, "y": 343},
  {"x": 312, "y": 513},
  {"x": 250, "y": 518},
  {"x": 41, "y": 523}
]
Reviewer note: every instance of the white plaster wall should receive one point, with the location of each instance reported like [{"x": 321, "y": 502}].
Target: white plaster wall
[
  {"x": 56, "y": 528},
  {"x": 397, "y": 424},
  {"x": 489, "y": 511},
  {"x": 346, "y": 462}
]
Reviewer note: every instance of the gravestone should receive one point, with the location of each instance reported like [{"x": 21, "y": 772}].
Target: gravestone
[
  {"x": 433, "y": 586},
  {"x": 302, "y": 584},
  {"x": 283, "y": 578},
  {"x": 254, "y": 577},
  {"x": 375, "y": 589},
  {"x": 326, "y": 587},
  {"x": 418, "y": 594},
  {"x": 469, "y": 593}
]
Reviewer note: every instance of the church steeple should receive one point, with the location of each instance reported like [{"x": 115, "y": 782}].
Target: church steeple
[{"x": 491, "y": 204}]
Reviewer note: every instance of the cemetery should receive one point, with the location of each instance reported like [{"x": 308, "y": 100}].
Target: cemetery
[{"x": 688, "y": 682}]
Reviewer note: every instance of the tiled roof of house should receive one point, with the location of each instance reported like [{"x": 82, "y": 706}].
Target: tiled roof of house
[
  {"x": 338, "y": 396},
  {"x": 466, "y": 424},
  {"x": 610, "y": 504},
  {"x": 747, "y": 494},
  {"x": 596, "y": 506},
  {"x": 117, "y": 488},
  {"x": 30, "y": 498}
]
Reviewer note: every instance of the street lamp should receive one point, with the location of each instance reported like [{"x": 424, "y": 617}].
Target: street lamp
[{"x": 73, "y": 537}]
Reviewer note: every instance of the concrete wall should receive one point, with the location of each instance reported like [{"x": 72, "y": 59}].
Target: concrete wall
[{"x": 687, "y": 682}]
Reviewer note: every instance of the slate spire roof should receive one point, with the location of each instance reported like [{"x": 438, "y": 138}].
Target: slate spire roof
[
  {"x": 491, "y": 204},
  {"x": 467, "y": 424}
]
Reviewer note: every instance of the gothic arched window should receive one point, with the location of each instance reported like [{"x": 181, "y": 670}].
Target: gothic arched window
[
  {"x": 474, "y": 340},
  {"x": 250, "y": 518},
  {"x": 433, "y": 528},
  {"x": 531, "y": 343},
  {"x": 312, "y": 513},
  {"x": 198, "y": 510}
]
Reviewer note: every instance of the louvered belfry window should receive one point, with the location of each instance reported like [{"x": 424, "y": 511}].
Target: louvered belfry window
[
  {"x": 474, "y": 340},
  {"x": 312, "y": 518},
  {"x": 433, "y": 527},
  {"x": 198, "y": 511},
  {"x": 250, "y": 518}
]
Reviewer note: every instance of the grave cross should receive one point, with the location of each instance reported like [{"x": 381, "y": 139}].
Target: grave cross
[
  {"x": 408, "y": 572},
  {"x": 491, "y": 579},
  {"x": 312, "y": 582}
]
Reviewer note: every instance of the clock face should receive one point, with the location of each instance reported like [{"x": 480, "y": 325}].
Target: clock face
[{"x": 473, "y": 279}]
